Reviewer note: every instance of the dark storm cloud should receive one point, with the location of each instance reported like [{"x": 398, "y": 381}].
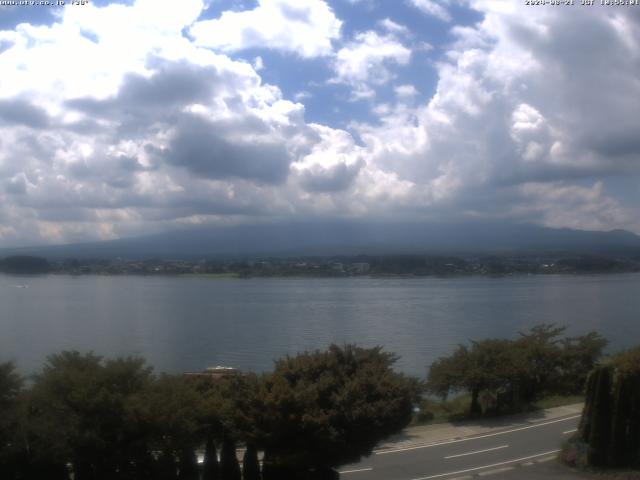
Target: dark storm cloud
[
  {"x": 590, "y": 84},
  {"x": 20, "y": 112},
  {"x": 334, "y": 179},
  {"x": 241, "y": 148},
  {"x": 172, "y": 85},
  {"x": 616, "y": 144}
]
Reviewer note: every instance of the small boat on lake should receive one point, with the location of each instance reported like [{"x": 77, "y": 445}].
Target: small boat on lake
[{"x": 215, "y": 373}]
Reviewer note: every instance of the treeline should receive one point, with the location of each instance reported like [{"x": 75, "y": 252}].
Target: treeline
[
  {"x": 504, "y": 375},
  {"x": 24, "y": 264},
  {"x": 88, "y": 418}
]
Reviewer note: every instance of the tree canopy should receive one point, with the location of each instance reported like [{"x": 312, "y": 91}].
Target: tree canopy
[
  {"x": 332, "y": 407},
  {"x": 610, "y": 424},
  {"x": 100, "y": 419},
  {"x": 517, "y": 372}
]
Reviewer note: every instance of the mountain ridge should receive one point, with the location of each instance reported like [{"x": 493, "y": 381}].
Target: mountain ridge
[{"x": 347, "y": 238}]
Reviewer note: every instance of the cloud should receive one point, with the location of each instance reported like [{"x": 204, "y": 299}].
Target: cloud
[
  {"x": 432, "y": 7},
  {"x": 514, "y": 120},
  {"x": 393, "y": 27},
  {"x": 16, "y": 185},
  {"x": 241, "y": 148},
  {"x": 570, "y": 206},
  {"x": 21, "y": 112},
  {"x": 13, "y": 15},
  {"x": 366, "y": 61},
  {"x": 144, "y": 123},
  {"x": 166, "y": 133},
  {"x": 304, "y": 27},
  {"x": 333, "y": 179},
  {"x": 171, "y": 86},
  {"x": 406, "y": 91}
]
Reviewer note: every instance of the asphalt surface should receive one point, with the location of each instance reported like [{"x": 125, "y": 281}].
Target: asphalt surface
[{"x": 509, "y": 451}]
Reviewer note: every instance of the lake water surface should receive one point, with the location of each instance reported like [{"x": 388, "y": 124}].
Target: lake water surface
[{"x": 189, "y": 323}]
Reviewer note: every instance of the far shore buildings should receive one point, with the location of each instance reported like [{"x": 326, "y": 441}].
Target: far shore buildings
[{"x": 360, "y": 268}]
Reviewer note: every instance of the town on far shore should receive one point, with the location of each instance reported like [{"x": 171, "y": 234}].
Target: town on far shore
[{"x": 330, "y": 266}]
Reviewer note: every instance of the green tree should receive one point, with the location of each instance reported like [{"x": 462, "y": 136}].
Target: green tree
[
  {"x": 487, "y": 365},
  {"x": 210, "y": 468},
  {"x": 187, "y": 465},
  {"x": 324, "y": 409},
  {"x": 601, "y": 423},
  {"x": 446, "y": 373},
  {"x": 580, "y": 355},
  {"x": 540, "y": 353},
  {"x": 229, "y": 466},
  {"x": 610, "y": 422},
  {"x": 173, "y": 413},
  {"x": 166, "y": 466},
  {"x": 78, "y": 412},
  {"x": 250, "y": 464},
  {"x": 517, "y": 372},
  {"x": 10, "y": 389}
]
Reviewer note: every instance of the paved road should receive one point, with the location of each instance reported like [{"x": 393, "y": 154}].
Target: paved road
[
  {"x": 493, "y": 452},
  {"x": 554, "y": 470}
]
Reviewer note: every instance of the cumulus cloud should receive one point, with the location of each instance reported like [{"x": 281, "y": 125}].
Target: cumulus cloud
[
  {"x": 125, "y": 119},
  {"x": 571, "y": 206},
  {"x": 515, "y": 120},
  {"x": 241, "y": 148},
  {"x": 332, "y": 165},
  {"x": 366, "y": 61},
  {"x": 305, "y": 27},
  {"x": 333, "y": 179},
  {"x": 168, "y": 132}
]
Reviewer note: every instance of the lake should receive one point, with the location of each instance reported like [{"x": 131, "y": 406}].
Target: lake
[{"x": 189, "y": 323}]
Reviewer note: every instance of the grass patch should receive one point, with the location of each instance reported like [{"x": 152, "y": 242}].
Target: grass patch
[
  {"x": 457, "y": 408},
  {"x": 557, "y": 401},
  {"x": 433, "y": 411}
]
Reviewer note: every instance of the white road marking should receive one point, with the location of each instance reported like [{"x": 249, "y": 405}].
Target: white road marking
[
  {"x": 495, "y": 471},
  {"x": 448, "y": 442},
  {"x": 570, "y": 431},
  {"x": 515, "y": 460},
  {"x": 546, "y": 459},
  {"x": 477, "y": 451},
  {"x": 356, "y": 471}
]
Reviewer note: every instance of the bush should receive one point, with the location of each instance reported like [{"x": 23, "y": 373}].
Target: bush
[{"x": 610, "y": 424}]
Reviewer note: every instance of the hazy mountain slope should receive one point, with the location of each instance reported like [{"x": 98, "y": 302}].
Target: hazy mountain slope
[{"x": 341, "y": 237}]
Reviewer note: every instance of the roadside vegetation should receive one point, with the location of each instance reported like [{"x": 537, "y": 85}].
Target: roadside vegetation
[
  {"x": 456, "y": 408},
  {"x": 540, "y": 369},
  {"x": 89, "y": 418},
  {"x": 97, "y": 419},
  {"x": 609, "y": 432}
]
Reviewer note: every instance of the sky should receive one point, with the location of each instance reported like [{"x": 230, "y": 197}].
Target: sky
[{"x": 130, "y": 117}]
